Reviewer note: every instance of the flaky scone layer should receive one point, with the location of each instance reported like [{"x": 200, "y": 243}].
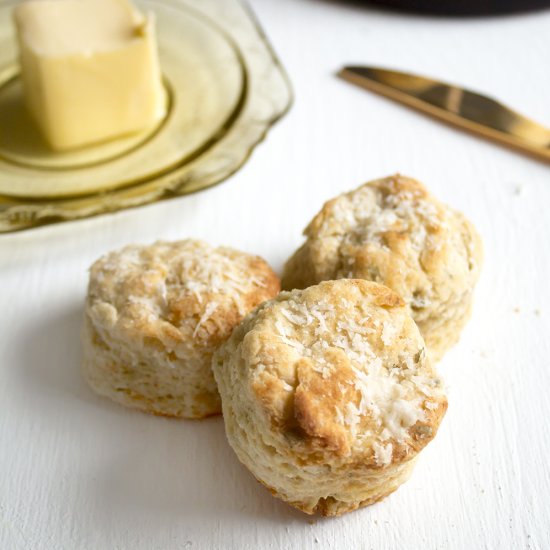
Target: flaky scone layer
[
  {"x": 328, "y": 395},
  {"x": 394, "y": 232},
  {"x": 154, "y": 316}
]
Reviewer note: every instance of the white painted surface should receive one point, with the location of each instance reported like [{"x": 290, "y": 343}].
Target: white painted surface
[{"x": 78, "y": 472}]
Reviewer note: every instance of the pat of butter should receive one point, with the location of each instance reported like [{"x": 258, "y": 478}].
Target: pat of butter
[{"x": 90, "y": 69}]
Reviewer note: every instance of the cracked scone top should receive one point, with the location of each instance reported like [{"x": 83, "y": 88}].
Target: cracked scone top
[
  {"x": 154, "y": 316},
  {"x": 328, "y": 395},
  {"x": 392, "y": 231}
]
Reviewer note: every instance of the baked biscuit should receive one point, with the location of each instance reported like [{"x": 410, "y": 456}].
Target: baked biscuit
[
  {"x": 328, "y": 395},
  {"x": 392, "y": 231},
  {"x": 154, "y": 316}
]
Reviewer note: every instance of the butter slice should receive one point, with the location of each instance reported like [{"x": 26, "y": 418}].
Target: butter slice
[{"x": 90, "y": 69}]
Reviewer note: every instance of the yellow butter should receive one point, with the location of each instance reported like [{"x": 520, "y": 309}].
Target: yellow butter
[{"x": 90, "y": 69}]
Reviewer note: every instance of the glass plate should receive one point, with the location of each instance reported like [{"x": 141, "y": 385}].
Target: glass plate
[{"x": 224, "y": 89}]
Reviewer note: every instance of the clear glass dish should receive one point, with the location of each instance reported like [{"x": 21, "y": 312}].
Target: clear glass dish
[{"x": 225, "y": 88}]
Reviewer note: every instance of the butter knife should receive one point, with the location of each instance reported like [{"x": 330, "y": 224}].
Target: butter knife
[{"x": 469, "y": 110}]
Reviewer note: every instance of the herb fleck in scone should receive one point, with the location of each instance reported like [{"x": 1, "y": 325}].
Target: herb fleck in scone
[
  {"x": 156, "y": 314},
  {"x": 328, "y": 395},
  {"x": 392, "y": 231}
]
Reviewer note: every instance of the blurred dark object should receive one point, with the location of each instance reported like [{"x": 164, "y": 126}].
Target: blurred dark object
[{"x": 464, "y": 7}]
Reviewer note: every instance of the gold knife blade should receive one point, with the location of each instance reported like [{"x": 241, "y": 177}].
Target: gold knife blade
[{"x": 468, "y": 110}]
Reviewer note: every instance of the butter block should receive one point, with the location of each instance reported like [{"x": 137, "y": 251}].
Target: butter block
[{"x": 90, "y": 69}]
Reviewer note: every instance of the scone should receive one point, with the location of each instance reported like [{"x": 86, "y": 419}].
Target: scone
[
  {"x": 328, "y": 395},
  {"x": 154, "y": 316},
  {"x": 392, "y": 231}
]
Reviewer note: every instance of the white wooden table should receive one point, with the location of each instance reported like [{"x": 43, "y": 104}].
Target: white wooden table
[{"x": 77, "y": 472}]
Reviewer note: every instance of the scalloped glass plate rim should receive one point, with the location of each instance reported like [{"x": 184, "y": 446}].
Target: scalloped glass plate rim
[{"x": 208, "y": 168}]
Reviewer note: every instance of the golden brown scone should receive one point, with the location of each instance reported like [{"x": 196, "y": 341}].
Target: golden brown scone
[
  {"x": 392, "y": 231},
  {"x": 154, "y": 316},
  {"x": 328, "y": 396}
]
